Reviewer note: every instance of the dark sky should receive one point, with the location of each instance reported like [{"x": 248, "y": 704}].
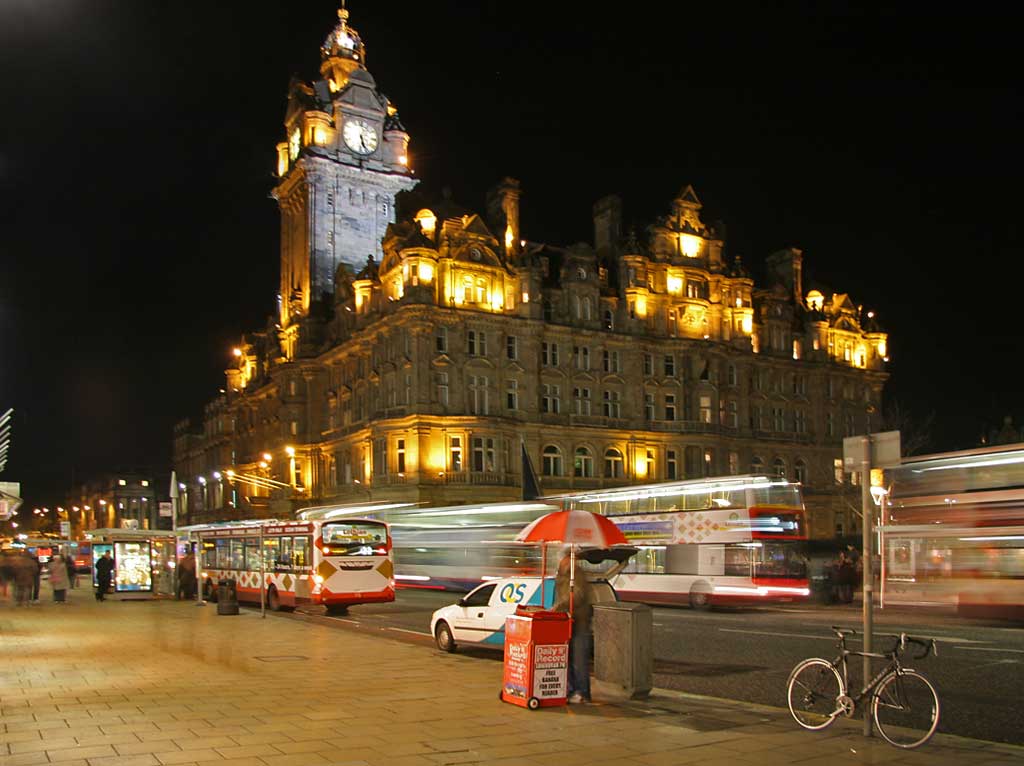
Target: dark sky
[{"x": 137, "y": 145}]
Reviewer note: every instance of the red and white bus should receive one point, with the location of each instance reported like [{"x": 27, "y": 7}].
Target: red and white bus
[
  {"x": 707, "y": 542},
  {"x": 336, "y": 562},
  {"x": 954, "y": 532}
]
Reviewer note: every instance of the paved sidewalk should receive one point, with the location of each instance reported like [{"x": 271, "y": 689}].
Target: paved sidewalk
[{"x": 163, "y": 682}]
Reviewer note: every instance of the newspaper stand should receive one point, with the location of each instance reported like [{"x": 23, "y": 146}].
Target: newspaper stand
[{"x": 536, "y": 658}]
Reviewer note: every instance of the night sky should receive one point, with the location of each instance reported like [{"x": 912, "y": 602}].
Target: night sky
[{"x": 137, "y": 151}]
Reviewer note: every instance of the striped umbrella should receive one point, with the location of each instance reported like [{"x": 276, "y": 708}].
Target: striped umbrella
[{"x": 571, "y": 528}]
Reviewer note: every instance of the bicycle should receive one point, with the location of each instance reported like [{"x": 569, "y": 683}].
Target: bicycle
[{"x": 904, "y": 704}]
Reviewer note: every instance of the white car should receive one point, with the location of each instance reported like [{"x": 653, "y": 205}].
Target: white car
[{"x": 478, "y": 618}]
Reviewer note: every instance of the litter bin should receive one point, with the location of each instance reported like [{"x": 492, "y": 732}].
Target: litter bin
[
  {"x": 623, "y": 648},
  {"x": 227, "y": 597},
  {"x": 536, "y": 658}
]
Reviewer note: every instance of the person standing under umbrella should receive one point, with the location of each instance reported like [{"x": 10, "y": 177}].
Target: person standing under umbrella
[{"x": 578, "y": 600}]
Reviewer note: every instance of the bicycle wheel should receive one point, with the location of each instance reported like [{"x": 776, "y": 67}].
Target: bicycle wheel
[
  {"x": 906, "y": 709},
  {"x": 813, "y": 691}
]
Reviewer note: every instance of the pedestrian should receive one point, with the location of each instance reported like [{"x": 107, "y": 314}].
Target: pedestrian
[
  {"x": 37, "y": 576},
  {"x": 846, "y": 577},
  {"x": 59, "y": 579},
  {"x": 6, "y": 574},
  {"x": 24, "y": 566},
  {"x": 72, "y": 570},
  {"x": 104, "y": 569},
  {"x": 581, "y": 613},
  {"x": 187, "y": 576}
]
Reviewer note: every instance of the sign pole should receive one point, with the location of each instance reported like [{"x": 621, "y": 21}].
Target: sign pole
[
  {"x": 176, "y": 578},
  {"x": 868, "y": 511},
  {"x": 263, "y": 577}
]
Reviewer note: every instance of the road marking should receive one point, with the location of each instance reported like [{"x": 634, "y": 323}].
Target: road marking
[
  {"x": 939, "y": 636},
  {"x": 988, "y": 649},
  {"x": 771, "y": 633},
  {"x": 997, "y": 662},
  {"x": 350, "y": 622},
  {"x": 414, "y": 632}
]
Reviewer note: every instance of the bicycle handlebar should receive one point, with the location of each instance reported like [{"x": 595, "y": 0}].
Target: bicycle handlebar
[{"x": 927, "y": 644}]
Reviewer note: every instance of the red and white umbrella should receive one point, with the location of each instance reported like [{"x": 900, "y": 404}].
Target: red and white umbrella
[
  {"x": 570, "y": 528},
  {"x": 573, "y": 528}
]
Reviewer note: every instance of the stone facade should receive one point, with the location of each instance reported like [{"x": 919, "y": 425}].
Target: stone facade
[{"x": 419, "y": 378}]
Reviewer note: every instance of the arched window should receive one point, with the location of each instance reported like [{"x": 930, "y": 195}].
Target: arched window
[
  {"x": 779, "y": 467},
  {"x": 586, "y": 309},
  {"x": 583, "y": 463},
  {"x": 800, "y": 471},
  {"x": 551, "y": 462},
  {"x": 756, "y": 465},
  {"x": 609, "y": 320},
  {"x": 612, "y": 464}
]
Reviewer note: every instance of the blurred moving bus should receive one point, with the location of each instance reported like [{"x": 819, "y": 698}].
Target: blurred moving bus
[
  {"x": 458, "y": 547},
  {"x": 321, "y": 559},
  {"x": 954, "y": 532},
  {"x": 704, "y": 542}
]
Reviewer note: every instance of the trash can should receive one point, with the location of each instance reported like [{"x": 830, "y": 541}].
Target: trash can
[
  {"x": 623, "y": 648},
  {"x": 536, "y": 658},
  {"x": 227, "y": 597}
]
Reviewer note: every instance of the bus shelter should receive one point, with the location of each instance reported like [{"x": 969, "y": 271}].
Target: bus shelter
[{"x": 144, "y": 561}]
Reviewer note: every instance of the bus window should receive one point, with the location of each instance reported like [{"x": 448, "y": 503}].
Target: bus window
[
  {"x": 221, "y": 557},
  {"x": 252, "y": 555},
  {"x": 284, "y": 559},
  {"x": 236, "y": 554},
  {"x": 647, "y": 561},
  {"x": 271, "y": 552},
  {"x": 350, "y": 538},
  {"x": 300, "y": 552},
  {"x": 737, "y": 559}
]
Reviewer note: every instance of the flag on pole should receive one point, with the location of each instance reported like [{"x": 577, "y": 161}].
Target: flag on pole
[{"x": 531, "y": 485}]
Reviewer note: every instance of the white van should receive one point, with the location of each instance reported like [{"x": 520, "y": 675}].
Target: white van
[{"x": 478, "y": 618}]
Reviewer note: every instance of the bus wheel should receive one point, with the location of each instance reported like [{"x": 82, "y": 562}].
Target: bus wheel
[
  {"x": 444, "y": 638},
  {"x": 336, "y": 610},
  {"x": 699, "y": 600},
  {"x": 273, "y": 600}
]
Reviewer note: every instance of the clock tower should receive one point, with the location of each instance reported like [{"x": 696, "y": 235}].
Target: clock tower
[{"x": 343, "y": 159}]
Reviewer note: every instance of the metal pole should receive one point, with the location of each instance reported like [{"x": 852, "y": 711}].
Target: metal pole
[
  {"x": 881, "y": 554},
  {"x": 199, "y": 570},
  {"x": 176, "y": 576},
  {"x": 263, "y": 577},
  {"x": 868, "y": 510}
]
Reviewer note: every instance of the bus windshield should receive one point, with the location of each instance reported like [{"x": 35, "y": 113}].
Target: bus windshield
[{"x": 355, "y": 538}]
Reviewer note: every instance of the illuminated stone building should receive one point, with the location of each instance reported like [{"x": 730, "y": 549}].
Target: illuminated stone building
[{"x": 412, "y": 356}]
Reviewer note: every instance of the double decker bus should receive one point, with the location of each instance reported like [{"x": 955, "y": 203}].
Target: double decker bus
[
  {"x": 705, "y": 542},
  {"x": 954, "y": 532},
  {"x": 323, "y": 557}
]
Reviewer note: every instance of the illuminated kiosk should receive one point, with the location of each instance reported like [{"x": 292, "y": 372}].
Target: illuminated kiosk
[{"x": 144, "y": 561}]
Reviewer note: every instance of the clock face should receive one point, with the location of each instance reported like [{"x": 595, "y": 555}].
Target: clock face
[{"x": 360, "y": 136}]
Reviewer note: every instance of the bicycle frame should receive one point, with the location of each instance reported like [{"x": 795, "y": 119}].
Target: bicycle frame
[{"x": 842, "y": 664}]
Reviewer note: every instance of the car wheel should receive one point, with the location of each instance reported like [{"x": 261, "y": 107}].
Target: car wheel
[{"x": 444, "y": 638}]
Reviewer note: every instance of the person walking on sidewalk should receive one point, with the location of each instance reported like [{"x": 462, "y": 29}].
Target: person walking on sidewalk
[
  {"x": 104, "y": 569},
  {"x": 59, "y": 579},
  {"x": 72, "y": 570},
  {"x": 582, "y": 642},
  {"x": 25, "y": 566},
  {"x": 187, "y": 577}
]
